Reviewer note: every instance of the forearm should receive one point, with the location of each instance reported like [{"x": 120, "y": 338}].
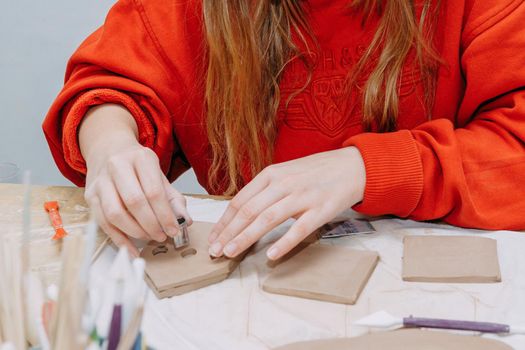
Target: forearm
[{"x": 105, "y": 129}]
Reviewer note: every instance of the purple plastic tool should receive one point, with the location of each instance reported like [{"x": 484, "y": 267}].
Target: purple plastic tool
[
  {"x": 115, "y": 328},
  {"x": 383, "y": 319},
  {"x": 485, "y": 327}
]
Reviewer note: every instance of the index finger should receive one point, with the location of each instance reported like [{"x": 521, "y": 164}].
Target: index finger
[
  {"x": 152, "y": 183},
  {"x": 259, "y": 183}
]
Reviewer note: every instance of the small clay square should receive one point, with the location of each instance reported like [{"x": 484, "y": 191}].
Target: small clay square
[
  {"x": 323, "y": 272},
  {"x": 450, "y": 259}
]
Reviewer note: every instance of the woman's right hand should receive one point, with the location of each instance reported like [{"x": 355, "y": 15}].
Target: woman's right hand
[{"x": 128, "y": 192}]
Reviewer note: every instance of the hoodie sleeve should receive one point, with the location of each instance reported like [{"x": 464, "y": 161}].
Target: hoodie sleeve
[
  {"x": 122, "y": 63},
  {"x": 471, "y": 174}
]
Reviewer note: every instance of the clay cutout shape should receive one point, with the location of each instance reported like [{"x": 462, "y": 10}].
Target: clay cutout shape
[
  {"x": 171, "y": 271},
  {"x": 323, "y": 272},
  {"x": 407, "y": 339},
  {"x": 450, "y": 259}
]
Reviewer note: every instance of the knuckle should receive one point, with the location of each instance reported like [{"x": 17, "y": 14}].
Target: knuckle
[
  {"x": 134, "y": 200},
  {"x": 113, "y": 213},
  {"x": 226, "y": 237},
  {"x": 152, "y": 228},
  {"x": 232, "y": 235},
  {"x": 154, "y": 193},
  {"x": 146, "y": 153},
  {"x": 168, "y": 221},
  {"x": 219, "y": 226},
  {"x": 247, "y": 213},
  {"x": 243, "y": 242},
  {"x": 270, "y": 171},
  {"x": 250, "y": 235},
  {"x": 268, "y": 217},
  {"x": 177, "y": 197},
  {"x": 329, "y": 208},
  {"x": 300, "y": 230},
  {"x": 235, "y": 204},
  {"x": 113, "y": 164},
  {"x": 166, "y": 216},
  {"x": 139, "y": 155},
  {"x": 288, "y": 182}
]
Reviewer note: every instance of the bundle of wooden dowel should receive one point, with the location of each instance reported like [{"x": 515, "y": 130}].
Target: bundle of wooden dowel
[
  {"x": 83, "y": 311},
  {"x": 76, "y": 316}
]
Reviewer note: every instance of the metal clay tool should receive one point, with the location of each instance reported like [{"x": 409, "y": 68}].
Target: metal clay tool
[
  {"x": 182, "y": 239},
  {"x": 56, "y": 220}
]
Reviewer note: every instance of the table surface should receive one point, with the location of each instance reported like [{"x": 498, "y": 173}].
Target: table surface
[
  {"x": 44, "y": 252},
  {"x": 238, "y": 314}
]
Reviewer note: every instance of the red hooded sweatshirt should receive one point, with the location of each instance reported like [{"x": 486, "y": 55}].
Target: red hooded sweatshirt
[{"x": 466, "y": 165}]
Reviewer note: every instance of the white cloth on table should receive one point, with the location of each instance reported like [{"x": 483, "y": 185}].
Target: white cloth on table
[{"x": 238, "y": 314}]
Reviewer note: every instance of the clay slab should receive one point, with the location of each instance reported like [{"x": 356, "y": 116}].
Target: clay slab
[
  {"x": 323, "y": 272},
  {"x": 450, "y": 259},
  {"x": 171, "y": 271},
  {"x": 408, "y": 339}
]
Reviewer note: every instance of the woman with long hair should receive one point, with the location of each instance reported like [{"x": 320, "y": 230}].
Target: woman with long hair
[{"x": 298, "y": 109}]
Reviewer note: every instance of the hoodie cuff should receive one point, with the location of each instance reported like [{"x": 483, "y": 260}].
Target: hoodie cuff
[
  {"x": 78, "y": 110},
  {"x": 394, "y": 173}
]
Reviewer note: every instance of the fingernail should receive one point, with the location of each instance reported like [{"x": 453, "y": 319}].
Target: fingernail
[
  {"x": 212, "y": 237},
  {"x": 230, "y": 249},
  {"x": 161, "y": 237},
  {"x": 273, "y": 253},
  {"x": 215, "y": 249}
]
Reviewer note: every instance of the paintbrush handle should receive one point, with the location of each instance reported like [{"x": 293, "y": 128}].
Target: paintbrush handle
[{"x": 485, "y": 327}]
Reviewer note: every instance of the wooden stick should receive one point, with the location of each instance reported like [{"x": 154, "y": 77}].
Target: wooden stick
[
  {"x": 90, "y": 238},
  {"x": 65, "y": 324},
  {"x": 131, "y": 333},
  {"x": 3, "y": 295},
  {"x": 26, "y": 223},
  {"x": 12, "y": 315},
  {"x": 99, "y": 250}
]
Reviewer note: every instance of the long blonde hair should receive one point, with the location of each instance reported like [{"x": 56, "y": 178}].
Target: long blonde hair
[{"x": 249, "y": 43}]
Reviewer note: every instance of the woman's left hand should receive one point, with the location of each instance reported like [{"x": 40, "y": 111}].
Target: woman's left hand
[{"x": 313, "y": 190}]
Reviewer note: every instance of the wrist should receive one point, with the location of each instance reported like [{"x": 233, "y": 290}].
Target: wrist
[
  {"x": 358, "y": 171},
  {"x": 104, "y": 148},
  {"x": 106, "y": 130}
]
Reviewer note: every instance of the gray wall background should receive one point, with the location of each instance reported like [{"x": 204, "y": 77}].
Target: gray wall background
[{"x": 36, "y": 39}]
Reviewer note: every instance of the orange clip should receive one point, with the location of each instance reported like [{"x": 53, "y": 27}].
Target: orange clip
[{"x": 56, "y": 220}]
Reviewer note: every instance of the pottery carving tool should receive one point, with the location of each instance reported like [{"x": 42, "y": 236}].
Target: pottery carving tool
[
  {"x": 384, "y": 320},
  {"x": 182, "y": 239},
  {"x": 56, "y": 220}
]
